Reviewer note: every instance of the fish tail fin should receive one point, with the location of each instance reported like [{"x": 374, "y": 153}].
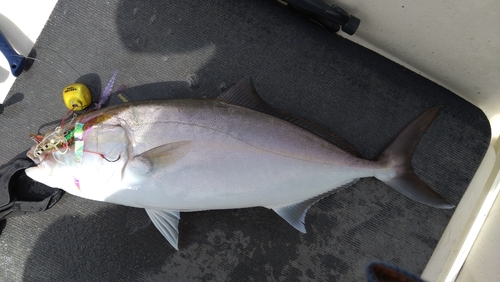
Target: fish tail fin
[{"x": 398, "y": 155}]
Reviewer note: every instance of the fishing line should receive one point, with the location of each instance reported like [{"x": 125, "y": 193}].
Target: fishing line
[
  {"x": 102, "y": 156},
  {"x": 52, "y": 67},
  {"x": 28, "y": 57},
  {"x": 57, "y": 160},
  {"x": 67, "y": 114}
]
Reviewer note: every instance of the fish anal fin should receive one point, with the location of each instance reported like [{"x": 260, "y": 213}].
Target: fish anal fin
[
  {"x": 244, "y": 94},
  {"x": 167, "y": 223},
  {"x": 295, "y": 214}
]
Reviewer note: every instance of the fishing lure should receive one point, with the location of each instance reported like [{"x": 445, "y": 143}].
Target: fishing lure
[
  {"x": 55, "y": 141},
  {"x": 78, "y": 138},
  {"x": 61, "y": 141},
  {"x": 107, "y": 92}
]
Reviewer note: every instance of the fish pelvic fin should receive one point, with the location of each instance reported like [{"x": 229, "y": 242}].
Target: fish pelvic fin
[
  {"x": 398, "y": 155},
  {"x": 167, "y": 223}
]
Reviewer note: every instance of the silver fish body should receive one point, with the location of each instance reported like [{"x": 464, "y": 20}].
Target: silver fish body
[{"x": 187, "y": 155}]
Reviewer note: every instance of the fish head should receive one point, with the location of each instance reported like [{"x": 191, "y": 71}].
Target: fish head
[
  {"x": 54, "y": 166},
  {"x": 51, "y": 173},
  {"x": 83, "y": 160}
]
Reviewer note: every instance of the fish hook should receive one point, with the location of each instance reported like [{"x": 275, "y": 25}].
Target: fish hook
[{"x": 111, "y": 161}]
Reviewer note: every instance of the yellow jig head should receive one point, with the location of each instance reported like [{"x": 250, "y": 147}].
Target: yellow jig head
[{"x": 76, "y": 96}]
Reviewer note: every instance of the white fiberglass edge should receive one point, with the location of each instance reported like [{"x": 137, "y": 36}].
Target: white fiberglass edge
[
  {"x": 466, "y": 223},
  {"x": 21, "y": 22}
]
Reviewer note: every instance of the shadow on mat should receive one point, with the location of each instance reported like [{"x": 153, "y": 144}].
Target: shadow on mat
[
  {"x": 114, "y": 244},
  {"x": 16, "y": 98},
  {"x": 120, "y": 244}
]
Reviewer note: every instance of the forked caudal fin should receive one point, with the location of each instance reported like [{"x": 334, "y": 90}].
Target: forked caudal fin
[{"x": 399, "y": 154}]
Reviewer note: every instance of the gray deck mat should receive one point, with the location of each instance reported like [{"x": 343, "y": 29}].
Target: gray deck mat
[{"x": 198, "y": 48}]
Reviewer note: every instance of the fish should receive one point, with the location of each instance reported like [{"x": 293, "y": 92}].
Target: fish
[{"x": 234, "y": 151}]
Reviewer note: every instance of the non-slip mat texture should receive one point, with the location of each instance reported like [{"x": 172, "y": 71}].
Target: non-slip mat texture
[{"x": 198, "y": 48}]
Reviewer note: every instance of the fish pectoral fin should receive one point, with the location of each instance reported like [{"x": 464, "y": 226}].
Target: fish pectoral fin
[
  {"x": 167, "y": 223},
  {"x": 295, "y": 214},
  {"x": 159, "y": 157}
]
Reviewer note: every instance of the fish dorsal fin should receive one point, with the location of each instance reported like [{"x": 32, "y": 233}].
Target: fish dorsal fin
[
  {"x": 295, "y": 214},
  {"x": 167, "y": 223},
  {"x": 160, "y": 156},
  {"x": 244, "y": 94}
]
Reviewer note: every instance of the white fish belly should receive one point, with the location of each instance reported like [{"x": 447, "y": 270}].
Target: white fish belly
[{"x": 212, "y": 176}]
